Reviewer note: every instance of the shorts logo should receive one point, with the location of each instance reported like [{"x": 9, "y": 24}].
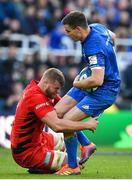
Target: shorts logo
[
  {"x": 85, "y": 107},
  {"x": 41, "y": 105},
  {"x": 92, "y": 59}
]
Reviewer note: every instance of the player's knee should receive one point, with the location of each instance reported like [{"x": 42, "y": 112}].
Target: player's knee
[
  {"x": 61, "y": 110},
  {"x": 68, "y": 135},
  {"x": 60, "y": 145}
]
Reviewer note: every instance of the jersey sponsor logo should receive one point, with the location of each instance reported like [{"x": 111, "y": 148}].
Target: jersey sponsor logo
[
  {"x": 41, "y": 105},
  {"x": 92, "y": 59},
  {"x": 85, "y": 107}
]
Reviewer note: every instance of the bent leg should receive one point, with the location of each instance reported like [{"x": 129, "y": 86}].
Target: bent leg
[
  {"x": 46, "y": 161},
  {"x": 58, "y": 140},
  {"x": 72, "y": 112},
  {"x": 59, "y": 160},
  {"x": 64, "y": 105},
  {"x": 75, "y": 114}
]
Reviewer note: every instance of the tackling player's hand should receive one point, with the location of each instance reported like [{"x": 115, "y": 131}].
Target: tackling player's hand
[{"x": 92, "y": 124}]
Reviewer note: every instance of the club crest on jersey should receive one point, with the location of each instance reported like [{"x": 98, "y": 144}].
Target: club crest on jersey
[
  {"x": 92, "y": 59},
  {"x": 43, "y": 104}
]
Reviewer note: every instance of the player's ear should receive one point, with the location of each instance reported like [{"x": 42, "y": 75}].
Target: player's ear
[
  {"x": 78, "y": 28},
  {"x": 46, "y": 81}
]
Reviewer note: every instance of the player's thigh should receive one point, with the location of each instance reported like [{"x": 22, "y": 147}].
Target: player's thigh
[
  {"x": 75, "y": 114},
  {"x": 70, "y": 100},
  {"x": 64, "y": 105},
  {"x": 88, "y": 106},
  {"x": 92, "y": 105}
]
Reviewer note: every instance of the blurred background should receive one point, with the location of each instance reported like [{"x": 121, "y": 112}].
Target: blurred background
[{"x": 32, "y": 39}]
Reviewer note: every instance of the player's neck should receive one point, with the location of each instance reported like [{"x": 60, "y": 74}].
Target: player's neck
[
  {"x": 42, "y": 86},
  {"x": 85, "y": 34}
]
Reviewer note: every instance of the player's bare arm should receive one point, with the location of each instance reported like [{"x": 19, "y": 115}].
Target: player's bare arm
[
  {"x": 62, "y": 125},
  {"x": 96, "y": 79}
]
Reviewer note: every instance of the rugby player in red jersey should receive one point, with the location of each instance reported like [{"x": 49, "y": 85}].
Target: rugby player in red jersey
[{"x": 33, "y": 148}]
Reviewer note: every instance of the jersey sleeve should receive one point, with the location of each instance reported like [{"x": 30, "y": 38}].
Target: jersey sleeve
[
  {"x": 57, "y": 99},
  {"x": 96, "y": 60},
  {"x": 41, "y": 106}
]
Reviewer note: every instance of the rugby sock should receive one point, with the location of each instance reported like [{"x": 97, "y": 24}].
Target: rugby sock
[
  {"x": 71, "y": 147},
  {"x": 82, "y": 138}
]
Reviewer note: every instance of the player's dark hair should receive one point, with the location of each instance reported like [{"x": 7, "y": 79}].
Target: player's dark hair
[
  {"x": 54, "y": 74},
  {"x": 74, "y": 19}
]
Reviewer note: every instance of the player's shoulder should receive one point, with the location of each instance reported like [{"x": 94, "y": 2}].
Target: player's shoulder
[
  {"x": 32, "y": 87},
  {"x": 97, "y": 26},
  {"x": 98, "y": 30},
  {"x": 94, "y": 42},
  {"x": 32, "y": 91}
]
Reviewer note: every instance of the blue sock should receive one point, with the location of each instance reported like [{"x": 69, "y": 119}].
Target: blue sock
[
  {"x": 82, "y": 138},
  {"x": 71, "y": 147}
]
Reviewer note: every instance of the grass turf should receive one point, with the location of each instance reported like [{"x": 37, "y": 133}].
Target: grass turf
[{"x": 106, "y": 163}]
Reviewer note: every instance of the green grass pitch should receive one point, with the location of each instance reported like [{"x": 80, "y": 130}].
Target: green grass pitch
[{"x": 106, "y": 163}]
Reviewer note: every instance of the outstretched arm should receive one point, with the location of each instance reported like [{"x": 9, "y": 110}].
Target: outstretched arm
[{"x": 64, "y": 125}]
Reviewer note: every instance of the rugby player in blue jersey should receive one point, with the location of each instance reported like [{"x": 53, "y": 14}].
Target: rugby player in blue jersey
[{"x": 99, "y": 55}]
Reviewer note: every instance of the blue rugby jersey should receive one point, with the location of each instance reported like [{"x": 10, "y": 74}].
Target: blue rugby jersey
[{"x": 97, "y": 50}]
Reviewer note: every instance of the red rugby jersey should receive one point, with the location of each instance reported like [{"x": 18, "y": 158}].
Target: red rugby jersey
[{"x": 27, "y": 125}]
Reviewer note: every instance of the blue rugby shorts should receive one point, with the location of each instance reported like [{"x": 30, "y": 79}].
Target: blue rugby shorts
[{"x": 92, "y": 103}]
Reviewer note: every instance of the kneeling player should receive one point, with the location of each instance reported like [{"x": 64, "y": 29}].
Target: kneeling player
[{"x": 31, "y": 147}]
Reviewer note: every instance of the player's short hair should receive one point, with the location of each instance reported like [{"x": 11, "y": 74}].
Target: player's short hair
[
  {"x": 54, "y": 74},
  {"x": 74, "y": 19}
]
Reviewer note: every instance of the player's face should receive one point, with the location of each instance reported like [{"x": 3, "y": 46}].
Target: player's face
[
  {"x": 75, "y": 33},
  {"x": 53, "y": 88}
]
